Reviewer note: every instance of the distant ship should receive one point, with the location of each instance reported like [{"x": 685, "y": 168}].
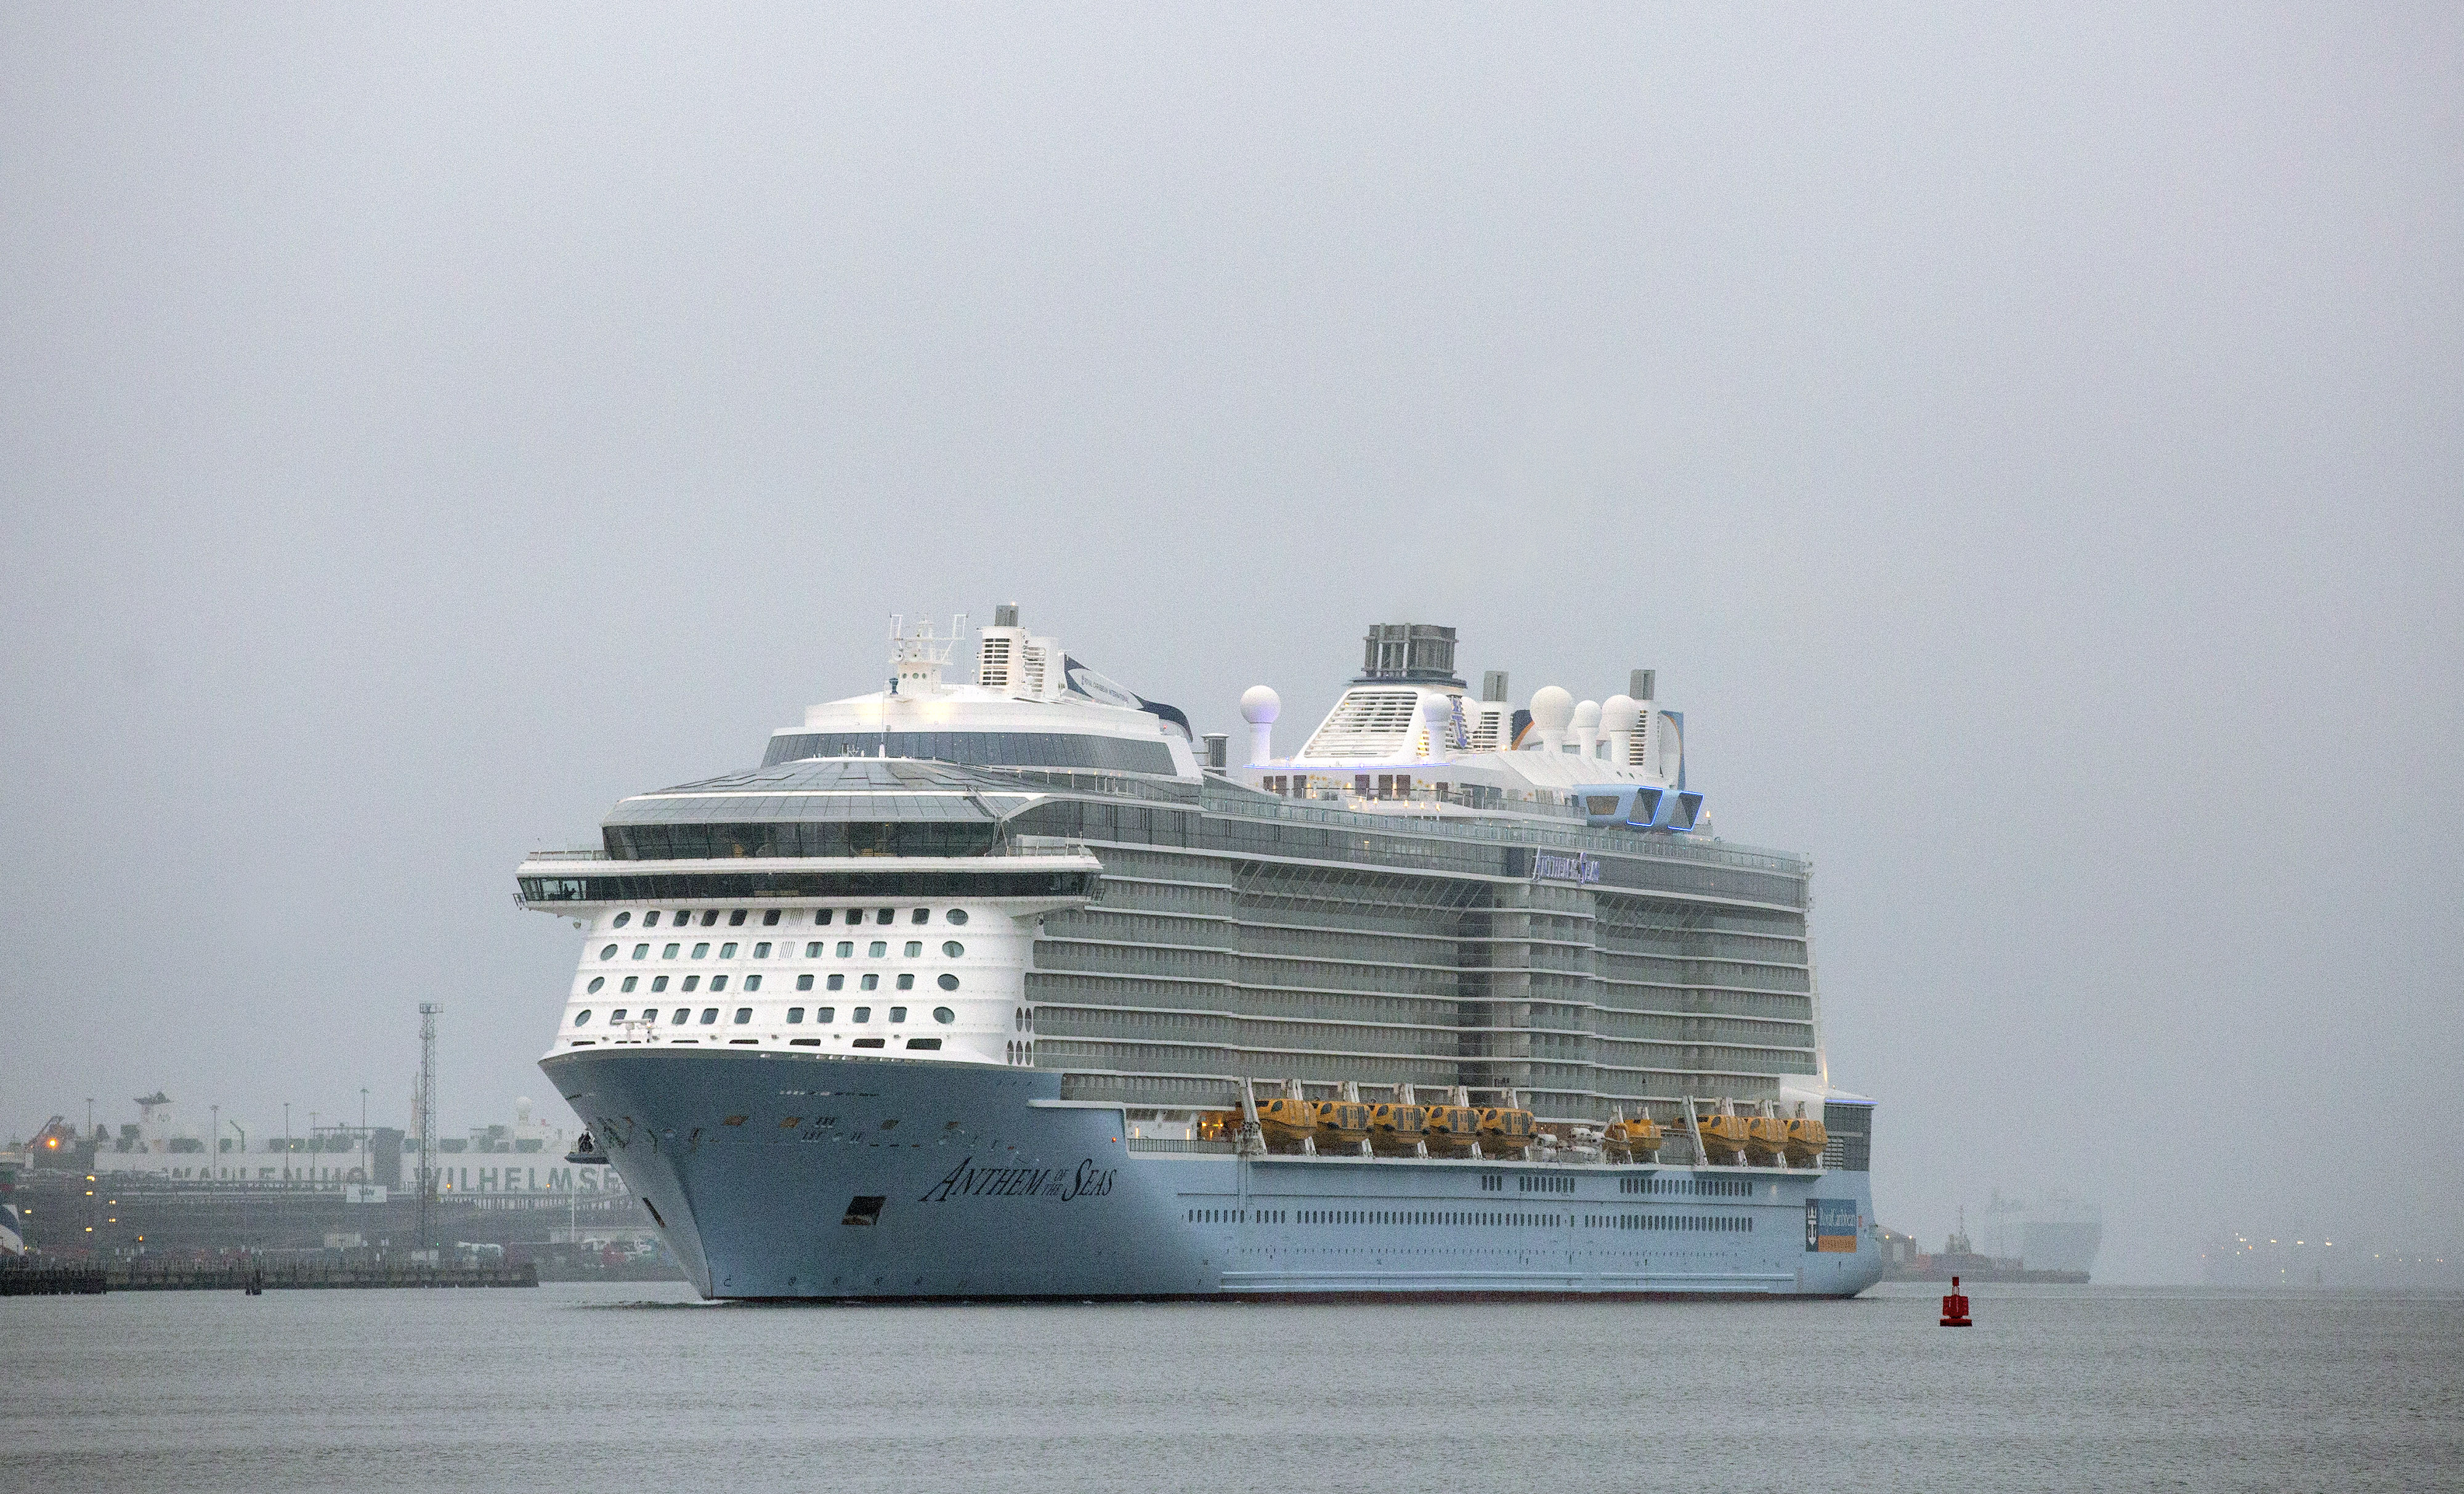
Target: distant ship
[
  {"x": 2062, "y": 1233},
  {"x": 1011, "y": 986}
]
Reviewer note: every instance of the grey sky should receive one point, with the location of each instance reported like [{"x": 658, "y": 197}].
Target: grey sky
[{"x": 2028, "y": 447}]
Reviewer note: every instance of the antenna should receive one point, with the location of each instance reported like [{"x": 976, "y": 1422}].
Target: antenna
[{"x": 427, "y": 1116}]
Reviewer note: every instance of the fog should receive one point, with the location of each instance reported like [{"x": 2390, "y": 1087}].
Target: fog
[{"x": 2027, "y": 446}]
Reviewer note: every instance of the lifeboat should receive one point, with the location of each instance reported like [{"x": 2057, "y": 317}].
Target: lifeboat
[
  {"x": 1450, "y": 1130},
  {"x": 1639, "y": 1138},
  {"x": 1806, "y": 1139},
  {"x": 1287, "y": 1123},
  {"x": 1397, "y": 1129},
  {"x": 1766, "y": 1136},
  {"x": 1723, "y": 1137},
  {"x": 1340, "y": 1123},
  {"x": 1504, "y": 1131}
]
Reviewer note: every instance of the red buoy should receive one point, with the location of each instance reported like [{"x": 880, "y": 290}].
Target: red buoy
[{"x": 1954, "y": 1307}]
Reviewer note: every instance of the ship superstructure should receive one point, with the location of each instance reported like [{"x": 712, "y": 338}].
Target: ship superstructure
[{"x": 1458, "y": 996}]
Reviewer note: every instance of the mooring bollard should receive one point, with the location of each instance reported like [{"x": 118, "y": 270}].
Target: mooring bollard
[{"x": 1954, "y": 1307}]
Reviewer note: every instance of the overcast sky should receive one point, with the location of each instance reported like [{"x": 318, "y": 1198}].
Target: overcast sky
[{"x": 2027, "y": 446}]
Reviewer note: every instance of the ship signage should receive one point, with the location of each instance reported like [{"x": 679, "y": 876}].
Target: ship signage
[
  {"x": 1579, "y": 868},
  {"x": 1831, "y": 1226},
  {"x": 966, "y": 1180}
]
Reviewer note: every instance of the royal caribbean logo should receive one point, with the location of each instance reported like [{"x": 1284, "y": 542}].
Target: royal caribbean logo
[
  {"x": 1551, "y": 865},
  {"x": 1831, "y": 1226}
]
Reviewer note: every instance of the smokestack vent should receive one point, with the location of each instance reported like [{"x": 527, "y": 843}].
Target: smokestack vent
[
  {"x": 1005, "y": 614},
  {"x": 1493, "y": 685},
  {"x": 1640, "y": 688}
]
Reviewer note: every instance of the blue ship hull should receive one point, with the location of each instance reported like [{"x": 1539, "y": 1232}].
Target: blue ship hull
[{"x": 780, "y": 1175}]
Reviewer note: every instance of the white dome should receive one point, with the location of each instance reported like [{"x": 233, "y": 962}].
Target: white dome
[
  {"x": 1437, "y": 710},
  {"x": 1620, "y": 714},
  {"x": 1260, "y": 705},
  {"x": 1587, "y": 716},
  {"x": 1551, "y": 708}
]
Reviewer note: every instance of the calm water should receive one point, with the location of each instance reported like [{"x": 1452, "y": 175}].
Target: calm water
[{"x": 636, "y": 1388}]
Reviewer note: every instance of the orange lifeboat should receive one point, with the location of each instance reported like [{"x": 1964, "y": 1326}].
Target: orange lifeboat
[
  {"x": 1340, "y": 1123},
  {"x": 1450, "y": 1130},
  {"x": 1723, "y": 1137},
  {"x": 1638, "y": 1137},
  {"x": 1397, "y": 1129},
  {"x": 1806, "y": 1139},
  {"x": 1766, "y": 1137},
  {"x": 1504, "y": 1131},
  {"x": 1287, "y": 1122}
]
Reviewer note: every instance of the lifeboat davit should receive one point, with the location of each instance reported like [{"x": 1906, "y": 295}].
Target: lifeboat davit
[
  {"x": 1766, "y": 1138},
  {"x": 1638, "y": 1137},
  {"x": 1723, "y": 1137},
  {"x": 1450, "y": 1130},
  {"x": 1504, "y": 1131},
  {"x": 1397, "y": 1129},
  {"x": 1287, "y": 1123},
  {"x": 1806, "y": 1139},
  {"x": 1340, "y": 1123}
]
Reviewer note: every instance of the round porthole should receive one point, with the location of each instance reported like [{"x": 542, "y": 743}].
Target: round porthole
[
  {"x": 953, "y": 949},
  {"x": 581, "y": 1018},
  {"x": 623, "y": 919},
  {"x": 949, "y": 982},
  {"x": 610, "y": 953},
  {"x": 958, "y": 915},
  {"x": 595, "y": 981},
  {"x": 944, "y": 1016}
]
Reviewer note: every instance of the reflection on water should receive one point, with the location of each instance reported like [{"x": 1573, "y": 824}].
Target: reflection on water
[{"x": 580, "y": 1387}]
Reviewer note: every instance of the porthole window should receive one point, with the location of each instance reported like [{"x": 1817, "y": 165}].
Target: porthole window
[
  {"x": 804, "y": 983},
  {"x": 631, "y": 982},
  {"x": 736, "y": 919},
  {"x": 761, "y": 950},
  {"x": 753, "y": 982},
  {"x": 822, "y": 916},
  {"x": 610, "y": 953},
  {"x": 682, "y": 1012},
  {"x": 770, "y": 918},
  {"x": 692, "y": 982},
  {"x": 621, "y": 919},
  {"x": 948, "y": 982},
  {"x": 906, "y": 982},
  {"x": 682, "y": 918},
  {"x": 885, "y": 915},
  {"x": 826, "y": 1015},
  {"x": 813, "y": 950},
  {"x": 651, "y": 919},
  {"x": 795, "y": 1015},
  {"x": 898, "y": 1014},
  {"x": 658, "y": 982},
  {"x": 709, "y": 916},
  {"x": 701, "y": 951},
  {"x": 953, "y": 949},
  {"x": 958, "y": 915},
  {"x": 877, "y": 949},
  {"x": 944, "y": 1016},
  {"x": 727, "y": 952},
  {"x": 618, "y": 1014},
  {"x": 873, "y": 982},
  {"x": 708, "y": 1014},
  {"x": 595, "y": 981},
  {"x": 641, "y": 951},
  {"x": 743, "y": 1015},
  {"x": 861, "y": 1013},
  {"x": 719, "y": 982},
  {"x": 855, "y": 916},
  {"x": 914, "y": 947},
  {"x": 920, "y": 916},
  {"x": 847, "y": 949},
  {"x": 581, "y": 1018},
  {"x": 838, "y": 982},
  {"x": 669, "y": 952}
]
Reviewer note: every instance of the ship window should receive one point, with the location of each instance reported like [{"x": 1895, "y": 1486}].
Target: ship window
[
  {"x": 873, "y": 982},
  {"x": 692, "y": 982},
  {"x": 658, "y": 982},
  {"x": 855, "y": 916},
  {"x": 701, "y": 951},
  {"x": 861, "y": 1013},
  {"x": 804, "y": 983},
  {"x": 845, "y": 949},
  {"x": 953, "y": 949},
  {"x": 870, "y": 1042},
  {"x": 826, "y": 1014},
  {"x": 923, "y": 1042},
  {"x": 770, "y": 918},
  {"x": 727, "y": 951},
  {"x": 682, "y": 1012},
  {"x": 920, "y": 916},
  {"x": 906, "y": 982},
  {"x": 736, "y": 919},
  {"x": 914, "y": 947},
  {"x": 682, "y": 918},
  {"x": 753, "y": 982},
  {"x": 641, "y": 951},
  {"x": 631, "y": 982},
  {"x": 708, "y": 1014},
  {"x": 795, "y": 1015},
  {"x": 595, "y": 981},
  {"x": 877, "y": 949},
  {"x": 813, "y": 949},
  {"x": 761, "y": 950},
  {"x": 948, "y": 982},
  {"x": 958, "y": 915},
  {"x": 709, "y": 916},
  {"x": 944, "y": 1016},
  {"x": 670, "y": 952},
  {"x": 743, "y": 1015},
  {"x": 621, "y": 919},
  {"x": 885, "y": 915},
  {"x": 618, "y": 1014},
  {"x": 898, "y": 1014},
  {"x": 821, "y": 916},
  {"x": 581, "y": 1018},
  {"x": 651, "y": 919},
  {"x": 717, "y": 983},
  {"x": 610, "y": 953},
  {"x": 838, "y": 982}
]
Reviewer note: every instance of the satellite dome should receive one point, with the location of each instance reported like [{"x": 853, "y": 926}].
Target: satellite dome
[
  {"x": 1551, "y": 708},
  {"x": 1587, "y": 715},
  {"x": 1260, "y": 705},
  {"x": 1620, "y": 714}
]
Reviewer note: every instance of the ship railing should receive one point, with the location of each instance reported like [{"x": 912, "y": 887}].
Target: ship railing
[
  {"x": 577, "y": 853},
  {"x": 1521, "y": 832}
]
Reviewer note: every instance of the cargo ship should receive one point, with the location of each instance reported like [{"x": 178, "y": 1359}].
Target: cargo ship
[{"x": 1001, "y": 983}]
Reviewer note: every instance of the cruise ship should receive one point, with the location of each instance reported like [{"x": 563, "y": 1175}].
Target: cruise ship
[{"x": 1002, "y": 982}]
